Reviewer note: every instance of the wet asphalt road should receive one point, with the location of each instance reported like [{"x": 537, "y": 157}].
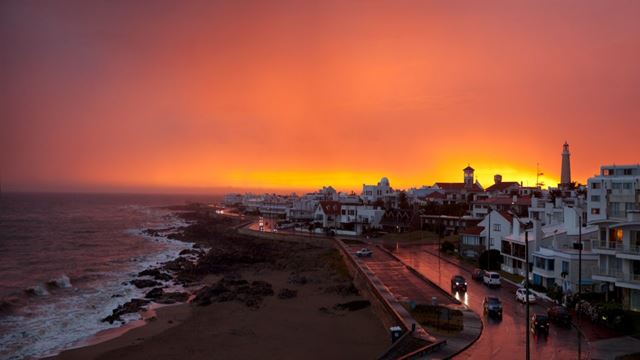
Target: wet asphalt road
[{"x": 503, "y": 339}]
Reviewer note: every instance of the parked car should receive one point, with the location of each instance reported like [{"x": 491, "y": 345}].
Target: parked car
[
  {"x": 458, "y": 283},
  {"x": 559, "y": 315},
  {"x": 492, "y": 306},
  {"x": 364, "y": 252},
  {"x": 521, "y": 295},
  {"x": 491, "y": 278},
  {"x": 477, "y": 274},
  {"x": 539, "y": 324}
]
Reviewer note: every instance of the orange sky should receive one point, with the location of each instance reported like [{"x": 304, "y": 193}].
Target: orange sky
[{"x": 158, "y": 96}]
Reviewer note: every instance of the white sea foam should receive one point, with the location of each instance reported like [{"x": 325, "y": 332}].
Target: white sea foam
[{"x": 69, "y": 318}]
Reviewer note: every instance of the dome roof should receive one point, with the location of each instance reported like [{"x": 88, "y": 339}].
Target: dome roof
[{"x": 384, "y": 181}]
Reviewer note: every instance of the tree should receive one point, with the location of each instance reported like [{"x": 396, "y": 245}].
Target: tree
[
  {"x": 403, "y": 201},
  {"x": 447, "y": 246},
  {"x": 490, "y": 260}
]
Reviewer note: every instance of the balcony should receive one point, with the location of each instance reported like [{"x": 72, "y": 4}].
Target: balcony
[
  {"x": 631, "y": 281},
  {"x": 608, "y": 246},
  {"x": 631, "y": 252},
  {"x": 607, "y": 275}
]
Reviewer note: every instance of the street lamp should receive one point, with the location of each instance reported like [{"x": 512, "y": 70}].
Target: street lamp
[
  {"x": 578, "y": 246},
  {"x": 527, "y": 226}
]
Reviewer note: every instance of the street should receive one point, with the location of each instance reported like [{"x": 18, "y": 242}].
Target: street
[{"x": 503, "y": 339}]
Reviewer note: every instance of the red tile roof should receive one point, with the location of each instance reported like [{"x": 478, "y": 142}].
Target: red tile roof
[
  {"x": 472, "y": 230},
  {"x": 436, "y": 195},
  {"x": 505, "y": 200},
  {"x": 457, "y": 187},
  {"x": 507, "y": 215},
  {"x": 330, "y": 207},
  {"x": 502, "y": 186}
]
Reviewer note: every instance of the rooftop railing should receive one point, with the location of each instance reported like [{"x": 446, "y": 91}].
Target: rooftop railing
[{"x": 607, "y": 245}]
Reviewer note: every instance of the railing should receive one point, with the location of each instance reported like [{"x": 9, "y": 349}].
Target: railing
[
  {"x": 633, "y": 249},
  {"x": 607, "y": 245},
  {"x": 617, "y": 274},
  {"x": 635, "y": 278}
]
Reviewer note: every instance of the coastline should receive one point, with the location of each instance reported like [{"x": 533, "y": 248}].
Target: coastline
[{"x": 282, "y": 326}]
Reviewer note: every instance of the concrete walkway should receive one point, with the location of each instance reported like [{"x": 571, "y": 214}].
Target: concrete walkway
[{"x": 403, "y": 285}]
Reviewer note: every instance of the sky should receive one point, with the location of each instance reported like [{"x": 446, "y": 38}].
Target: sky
[{"x": 292, "y": 95}]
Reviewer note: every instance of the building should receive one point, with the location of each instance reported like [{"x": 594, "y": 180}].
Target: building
[
  {"x": 519, "y": 205},
  {"x": 555, "y": 260},
  {"x": 500, "y": 187},
  {"x": 380, "y": 192},
  {"x": 460, "y": 192},
  {"x": 565, "y": 174},
  {"x": 327, "y": 214},
  {"x": 451, "y": 224},
  {"x": 613, "y": 199},
  {"x": 486, "y": 235}
]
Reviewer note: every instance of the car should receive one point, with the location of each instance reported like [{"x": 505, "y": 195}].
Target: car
[
  {"x": 540, "y": 324},
  {"x": 477, "y": 274},
  {"x": 491, "y": 278},
  {"x": 521, "y": 295},
  {"x": 492, "y": 306},
  {"x": 560, "y": 315},
  {"x": 364, "y": 252},
  {"x": 458, "y": 283}
]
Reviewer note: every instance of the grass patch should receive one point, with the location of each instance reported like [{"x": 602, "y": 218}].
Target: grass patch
[
  {"x": 513, "y": 277},
  {"x": 333, "y": 259}
]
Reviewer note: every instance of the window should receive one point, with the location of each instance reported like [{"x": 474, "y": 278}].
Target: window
[
  {"x": 595, "y": 185},
  {"x": 551, "y": 264},
  {"x": 616, "y": 186},
  {"x": 565, "y": 267},
  {"x": 626, "y": 186},
  {"x": 595, "y": 211},
  {"x": 603, "y": 234},
  {"x": 539, "y": 263},
  {"x": 496, "y": 227},
  {"x": 344, "y": 212},
  {"x": 627, "y": 171},
  {"x": 595, "y": 198},
  {"x": 607, "y": 172}
]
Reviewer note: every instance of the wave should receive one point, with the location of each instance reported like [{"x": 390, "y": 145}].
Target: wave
[
  {"x": 63, "y": 282},
  {"x": 37, "y": 290}
]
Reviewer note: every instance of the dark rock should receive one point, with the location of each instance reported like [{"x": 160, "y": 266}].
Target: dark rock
[
  {"x": 287, "y": 293},
  {"x": 172, "y": 297},
  {"x": 261, "y": 288},
  {"x": 116, "y": 295},
  {"x": 144, "y": 283},
  {"x": 179, "y": 264},
  {"x": 342, "y": 289},
  {"x": 297, "y": 279},
  {"x": 353, "y": 305},
  {"x": 190, "y": 252},
  {"x": 154, "y": 293},
  {"x": 156, "y": 274},
  {"x": 129, "y": 307}
]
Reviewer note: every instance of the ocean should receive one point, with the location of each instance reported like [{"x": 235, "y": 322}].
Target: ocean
[{"x": 65, "y": 260}]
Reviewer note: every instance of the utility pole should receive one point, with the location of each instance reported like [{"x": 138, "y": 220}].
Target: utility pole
[
  {"x": 526, "y": 282},
  {"x": 578, "y": 246},
  {"x": 489, "y": 242}
]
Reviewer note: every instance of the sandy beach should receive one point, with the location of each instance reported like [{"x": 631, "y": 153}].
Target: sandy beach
[{"x": 299, "y": 316}]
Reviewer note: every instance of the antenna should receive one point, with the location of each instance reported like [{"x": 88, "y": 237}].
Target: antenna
[{"x": 538, "y": 174}]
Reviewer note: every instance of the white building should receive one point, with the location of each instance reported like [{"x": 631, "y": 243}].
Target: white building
[
  {"x": 487, "y": 235},
  {"x": 613, "y": 202},
  {"x": 373, "y": 193},
  {"x": 555, "y": 260}
]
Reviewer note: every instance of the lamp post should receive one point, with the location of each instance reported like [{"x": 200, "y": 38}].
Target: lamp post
[
  {"x": 489, "y": 242},
  {"x": 526, "y": 281},
  {"x": 578, "y": 246}
]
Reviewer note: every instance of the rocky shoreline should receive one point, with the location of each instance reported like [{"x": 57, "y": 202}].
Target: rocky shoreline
[{"x": 219, "y": 250}]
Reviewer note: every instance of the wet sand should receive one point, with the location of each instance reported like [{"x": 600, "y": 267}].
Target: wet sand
[
  {"x": 305, "y": 326},
  {"x": 279, "y": 329}
]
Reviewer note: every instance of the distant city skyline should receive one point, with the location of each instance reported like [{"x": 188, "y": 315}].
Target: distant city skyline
[{"x": 289, "y": 96}]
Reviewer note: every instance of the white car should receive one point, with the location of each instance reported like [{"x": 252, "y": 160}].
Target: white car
[
  {"x": 364, "y": 252},
  {"x": 491, "y": 278},
  {"x": 521, "y": 295}
]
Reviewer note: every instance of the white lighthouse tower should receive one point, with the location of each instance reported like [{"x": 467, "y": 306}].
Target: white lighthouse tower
[{"x": 565, "y": 176}]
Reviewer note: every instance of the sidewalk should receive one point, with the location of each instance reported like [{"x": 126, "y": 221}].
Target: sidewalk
[{"x": 460, "y": 341}]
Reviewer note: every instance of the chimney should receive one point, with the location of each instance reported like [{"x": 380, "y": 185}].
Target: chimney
[{"x": 497, "y": 179}]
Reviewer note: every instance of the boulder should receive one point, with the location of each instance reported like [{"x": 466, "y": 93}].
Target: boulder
[
  {"x": 287, "y": 293},
  {"x": 154, "y": 293},
  {"x": 144, "y": 283},
  {"x": 129, "y": 307}
]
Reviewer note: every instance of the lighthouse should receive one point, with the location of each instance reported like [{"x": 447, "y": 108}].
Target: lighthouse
[{"x": 565, "y": 175}]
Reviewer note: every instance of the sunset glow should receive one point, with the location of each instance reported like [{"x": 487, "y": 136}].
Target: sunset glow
[{"x": 296, "y": 95}]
